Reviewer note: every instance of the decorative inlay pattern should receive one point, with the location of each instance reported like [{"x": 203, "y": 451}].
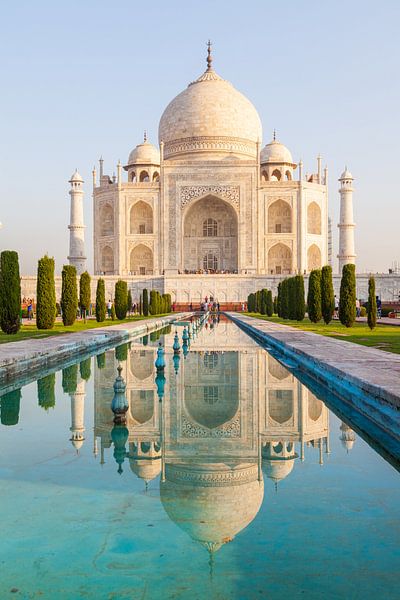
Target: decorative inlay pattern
[
  {"x": 210, "y": 143},
  {"x": 227, "y": 192},
  {"x": 227, "y": 430},
  {"x": 212, "y": 478}
]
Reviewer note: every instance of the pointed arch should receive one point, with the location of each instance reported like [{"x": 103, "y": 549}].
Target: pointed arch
[
  {"x": 141, "y": 260},
  {"x": 280, "y": 260},
  {"x": 107, "y": 260},
  {"x": 107, "y": 220},
  {"x": 279, "y": 217},
  {"x": 313, "y": 257},
  {"x": 276, "y": 175},
  {"x": 141, "y": 218},
  {"x": 314, "y": 218},
  {"x": 144, "y": 177}
]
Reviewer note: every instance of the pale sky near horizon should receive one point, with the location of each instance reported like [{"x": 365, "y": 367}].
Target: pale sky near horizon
[{"x": 84, "y": 78}]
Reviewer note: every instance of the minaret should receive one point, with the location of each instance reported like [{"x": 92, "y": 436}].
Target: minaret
[
  {"x": 346, "y": 225},
  {"x": 77, "y": 255},
  {"x": 77, "y": 416}
]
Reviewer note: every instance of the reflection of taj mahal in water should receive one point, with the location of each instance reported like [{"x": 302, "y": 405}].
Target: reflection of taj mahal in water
[{"x": 227, "y": 419}]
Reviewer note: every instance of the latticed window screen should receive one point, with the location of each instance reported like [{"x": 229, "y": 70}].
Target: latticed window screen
[
  {"x": 210, "y": 394},
  {"x": 210, "y": 228},
  {"x": 210, "y": 262}
]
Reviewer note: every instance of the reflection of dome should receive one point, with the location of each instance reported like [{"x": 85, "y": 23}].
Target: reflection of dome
[
  {"x": 212, "y": 503},
  {"x": 145, "y": 468},
  {"x": 210, "y": 116},
  {"x": 277, "y": 469},
  {"x": 275, "y": 152},
  {"x": 77, "y": 443},
  {"x": 347, "y": 437},
  {"x": 314, "y": 407},
  {"x": 144, "y": 154}
]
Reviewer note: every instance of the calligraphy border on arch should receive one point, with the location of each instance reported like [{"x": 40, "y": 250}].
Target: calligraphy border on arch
[{"x": 188, "y": 193}]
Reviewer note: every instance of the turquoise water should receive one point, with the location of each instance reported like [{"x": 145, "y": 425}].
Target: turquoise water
[{"x": 240, "y": 483}]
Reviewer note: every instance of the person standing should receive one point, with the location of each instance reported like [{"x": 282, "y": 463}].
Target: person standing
[
  {"x": 358, "y": 308},
  {"x": 109, "y": 307}
]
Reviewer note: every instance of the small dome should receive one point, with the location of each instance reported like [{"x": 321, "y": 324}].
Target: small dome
[
  {"x": 275, "y": 152},
  {"x": 76, "y": 177},
  {"x": 144, "y": 154},
  {"x": 346, "y": 174}
]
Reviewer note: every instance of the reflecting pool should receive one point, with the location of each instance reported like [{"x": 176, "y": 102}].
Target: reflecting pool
[{"x": 229, "y": 479}]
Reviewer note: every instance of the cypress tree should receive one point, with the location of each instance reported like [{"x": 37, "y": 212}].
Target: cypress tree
[
  {"x": 121, "y": 352},
  {"x": 101, "y": 360},
  {"x": 45, "y": 294},
  {"x": 314, "y": 296},
  {"x": 327, "y": 294},
  {"x": 46, "y": 391},
  {"x": 100, "y": 301},
  {"x": 372, "y": 309},
  {"x": 279, "y": 300},
  {"x": 113, "y": 315},
  {"x": 84, "y": 293},
  {"x": 300, "y": 305},
  {"x": 275, "y": 304},
  {"x": 285, "y": 299},
  {"x": 85, "y": 368},
  {"x": 251, "y": 303},
  {"x": 129, "y": 301},
  {"x": 69, "y": 295},
  {"x": 9, "y": 404},
  {"x": 145, "y": 307},
  {"x": 140, "y": 309},
  {"x": 347, "y": 300},
  {"x": 121, "y": 299},
  {"x": 292, "y": 294},
  {"x": 270, "y": 304},
  {"x": 263, "y": 302},
  {"x": 70, "y": 379},
  {"x": 10, "y": 292}
]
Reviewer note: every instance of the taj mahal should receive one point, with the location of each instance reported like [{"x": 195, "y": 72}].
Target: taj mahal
[{"x": 211, "y": 211}]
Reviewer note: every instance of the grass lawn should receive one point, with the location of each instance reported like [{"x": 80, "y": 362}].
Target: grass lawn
[
  {"x": 29, "y": 330},
  {"x": 383, "y": 337}
]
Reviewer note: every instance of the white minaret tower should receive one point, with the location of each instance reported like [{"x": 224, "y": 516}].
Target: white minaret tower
[
  {"x": 77, "y": 254},
  {"x": 77, "y": 416},
  {"x": 346, "y": 225}
]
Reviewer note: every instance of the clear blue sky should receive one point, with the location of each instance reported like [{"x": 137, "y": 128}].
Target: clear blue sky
[{"x": 84, "y": 78}]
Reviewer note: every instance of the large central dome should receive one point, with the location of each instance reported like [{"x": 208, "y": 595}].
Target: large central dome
[{"x": 210, "y": 118}]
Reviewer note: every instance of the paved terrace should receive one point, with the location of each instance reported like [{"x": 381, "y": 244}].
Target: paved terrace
[
  {"x": 24, "y": 359},
  {"x": 335, "y": 362}
]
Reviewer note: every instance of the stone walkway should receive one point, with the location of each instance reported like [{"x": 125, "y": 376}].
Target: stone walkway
[
  {"x": 19, "y": 359},
  {"x": 335, "y": 362}
]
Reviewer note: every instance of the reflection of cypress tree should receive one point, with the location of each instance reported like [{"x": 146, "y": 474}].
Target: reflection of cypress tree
[
  {"x": 145, "y": 340},
  {"x": 153, "y": 336},
  {"x": 121, "y": 352},
  {"x": 84, "y": 369},
  {"x": 10, "y": 407},
  {"x": 70, "y": 379},
  {"x": 46, "y": 393},
  {"x": 101, "y": 360}
]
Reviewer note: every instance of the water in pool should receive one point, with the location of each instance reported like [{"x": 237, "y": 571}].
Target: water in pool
[{"x": 230, "y": 480}]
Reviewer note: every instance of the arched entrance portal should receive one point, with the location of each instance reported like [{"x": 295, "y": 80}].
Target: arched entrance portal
[
  {"x": 210, "y": 239},
  {"x": 141, "y": 262}
]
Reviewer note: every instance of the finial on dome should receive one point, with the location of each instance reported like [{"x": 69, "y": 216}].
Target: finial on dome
[
  {"x": 274, "y": 136},
  {"x": 145, "y": 136},
  {"x": 209, "y": 57}
]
